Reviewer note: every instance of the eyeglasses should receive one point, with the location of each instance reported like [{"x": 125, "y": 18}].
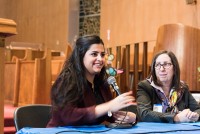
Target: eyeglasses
[{"x": 164, "y": 65}]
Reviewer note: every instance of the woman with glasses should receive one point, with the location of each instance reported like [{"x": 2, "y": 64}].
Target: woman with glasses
[{"x": 163, "y": 97}]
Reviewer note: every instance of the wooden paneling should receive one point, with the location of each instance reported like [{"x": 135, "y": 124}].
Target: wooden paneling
[
  {"x": 184, "y": 42},
  {"x": 135, "y": 21},
  {"x": 131, "y": 21},
  {"x": 41, "y": 21}
]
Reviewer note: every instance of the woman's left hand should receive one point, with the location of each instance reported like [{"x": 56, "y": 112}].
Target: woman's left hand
[
  {"x": 192, "y": 116},
  {"x": 124, "y": 117}
]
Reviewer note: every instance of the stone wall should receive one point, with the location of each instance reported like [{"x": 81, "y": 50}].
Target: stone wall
[{"x": 89, "y": 22}]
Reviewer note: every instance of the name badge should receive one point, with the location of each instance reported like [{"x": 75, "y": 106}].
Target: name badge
[{"x": 157, "y": 108}]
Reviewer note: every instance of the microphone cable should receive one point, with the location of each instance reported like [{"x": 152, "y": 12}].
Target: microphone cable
[{"x": 100, "y": 131}]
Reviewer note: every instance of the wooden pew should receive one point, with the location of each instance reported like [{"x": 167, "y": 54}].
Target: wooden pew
[
  {"x": 34, "y": 81},
  {"x": 56, "y": 66},
  {"x": 29, "y": 54},
  {"x": 28, "y": 73},
  {"x": 29, "y": 77},
  {"x": 11, "y": 69},
  {"x": 10, "y": 76},
  {"x": 10, "y": 53},
  {"x": 19, "y": 49},
  {"x": 25, "y": 45},
  {"x": 58, "y": 61}
]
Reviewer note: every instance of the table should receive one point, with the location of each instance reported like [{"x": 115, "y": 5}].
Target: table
[{"x": 140, "y": 128}]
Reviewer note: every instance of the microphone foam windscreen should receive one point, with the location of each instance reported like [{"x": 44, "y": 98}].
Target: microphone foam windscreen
[{"x": 111, "y": 79}]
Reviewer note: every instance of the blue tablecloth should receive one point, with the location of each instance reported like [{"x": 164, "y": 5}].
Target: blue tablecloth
[{"x": 140, "y": 128}]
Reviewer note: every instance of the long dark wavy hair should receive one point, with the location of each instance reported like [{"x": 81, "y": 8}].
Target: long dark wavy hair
[
  {"x": 176, "y": 78},
  {"x": 71, "y": 83}
]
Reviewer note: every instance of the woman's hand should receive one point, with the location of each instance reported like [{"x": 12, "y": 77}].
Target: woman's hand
[
  {"x": 186, "y": 116},
  {"x": 192, "y": 116},
  {"x": 124, "y": 117},
  {"x": 121, "y": 101}
]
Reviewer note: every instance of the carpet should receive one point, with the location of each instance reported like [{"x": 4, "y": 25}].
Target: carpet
[{"x": 9, "y": 127}]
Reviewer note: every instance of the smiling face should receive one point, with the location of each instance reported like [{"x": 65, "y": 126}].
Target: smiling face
[
  {"x": 164, "y": 75},
  {"x": 94, "y": 60}
]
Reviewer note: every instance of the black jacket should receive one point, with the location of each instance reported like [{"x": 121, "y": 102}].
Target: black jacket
[{"x": 147, "y": 97}]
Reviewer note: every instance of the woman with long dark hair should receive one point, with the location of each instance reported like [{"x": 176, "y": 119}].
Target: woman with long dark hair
[{"x": 81, "y": 94}]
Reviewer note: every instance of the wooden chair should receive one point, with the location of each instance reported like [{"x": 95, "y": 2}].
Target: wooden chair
[{"x": 184, "y": 42}]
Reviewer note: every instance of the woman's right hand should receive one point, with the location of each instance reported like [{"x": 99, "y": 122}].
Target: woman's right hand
[
  {"x": 122, "y": 101},
  {"x": 124, "y": 117}
]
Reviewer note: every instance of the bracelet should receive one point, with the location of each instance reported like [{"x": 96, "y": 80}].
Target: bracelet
[{"x": 109, "y": 113}]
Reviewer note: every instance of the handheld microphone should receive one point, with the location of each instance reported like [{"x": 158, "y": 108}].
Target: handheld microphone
[{"x": 112, "y": 81}]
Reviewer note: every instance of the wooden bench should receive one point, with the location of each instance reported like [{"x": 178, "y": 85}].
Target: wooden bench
[
  {"x": 33, "y": 81},
  {"x": 29, "y": 54},
  {"x": 58, "y": 61},
  {"x": 10, "y": 71},
  {"x": 12, "y": 68},
  {"x": 29, "y": 81},
  {"x": 56, "y": 66}
]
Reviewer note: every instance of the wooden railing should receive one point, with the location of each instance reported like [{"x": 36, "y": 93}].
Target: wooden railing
[
  {"x": 182, "y": 40},
  {"x": 134, "y": 64}
]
